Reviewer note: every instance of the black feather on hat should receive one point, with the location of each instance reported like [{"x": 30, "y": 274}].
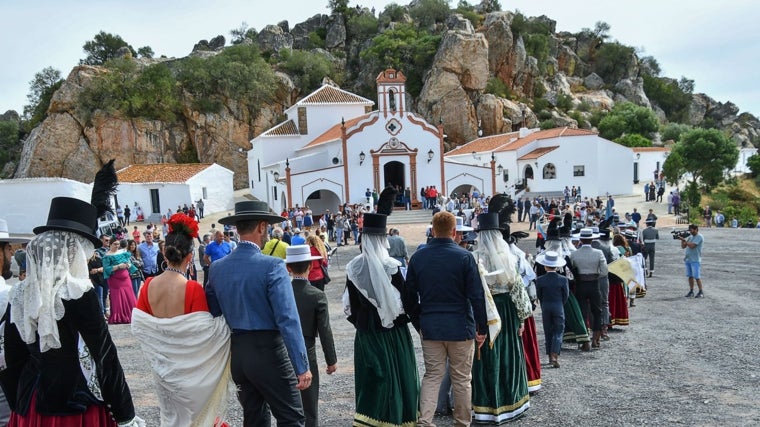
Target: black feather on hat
[
  {"x": 567, "y": 225},
  {"x": 605, "y": 224},
  {"x": 552, "y": 231},
  {"x": 517, "y": 235},
  {"x": 104, "y": 187},
  {"x": 385, "y": 201}
]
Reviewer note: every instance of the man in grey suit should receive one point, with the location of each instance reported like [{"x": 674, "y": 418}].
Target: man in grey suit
[{"x": 588, "y": 266}]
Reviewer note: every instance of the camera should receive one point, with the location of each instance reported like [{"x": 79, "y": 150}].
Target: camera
[{"x": 677, "y": 234}]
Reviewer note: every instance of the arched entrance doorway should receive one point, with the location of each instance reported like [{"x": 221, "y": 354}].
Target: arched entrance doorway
[
  {"x": 394, "y": 176},
  {"x": 460, "y": 190},
  {"x": 321, "y": 201}
]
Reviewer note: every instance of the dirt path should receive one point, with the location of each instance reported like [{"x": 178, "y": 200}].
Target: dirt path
[{"x": 680, "y": 362}]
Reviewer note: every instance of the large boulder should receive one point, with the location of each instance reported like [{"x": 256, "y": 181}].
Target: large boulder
[
  {"x": 597, "y": 99},
  {"x": 507, "y": 57},
  {"x": 444, "y": 98},
  {"x": 273, "y": 39},
  {"x": 301, "y": 31},
  {"x": 66, "y": 98},
  {"x": 457, "y": 22},
  {"x": 466, "y": 55},
  {"x": 490, "y": 111},
  {"x": 633, "y": 91},
  {"x": 698, "y": 108},
  {"x": 336, "y": 32},
  {"x": 557, "y": 85},
  {"x": 593, "y": 81}
]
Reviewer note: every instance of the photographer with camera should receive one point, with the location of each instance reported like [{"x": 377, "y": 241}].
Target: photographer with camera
[{"x": 693, "y": 258}]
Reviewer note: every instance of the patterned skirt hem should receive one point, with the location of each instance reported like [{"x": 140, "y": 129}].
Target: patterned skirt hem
[{"x": 501, "y": 415}]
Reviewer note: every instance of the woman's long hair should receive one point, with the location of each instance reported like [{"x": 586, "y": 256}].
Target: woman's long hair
[{"x": 314, "y": 240}]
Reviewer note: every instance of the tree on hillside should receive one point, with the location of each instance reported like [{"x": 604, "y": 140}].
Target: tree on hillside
[
  {"x": 241, "y": 33},
  {"x": 104, "y": 47},
  {"x": 41, "y": 90},
  {"x": 145, "y": 52},
  {"x": 429, "y": 12},
  {"x": 613, "y": 60},
  {"x": 753, "y": 162},
  {"x": 488, "y": 6},
  {"x": 628, "y": 118},
  {"x": 706, "y": 154}
]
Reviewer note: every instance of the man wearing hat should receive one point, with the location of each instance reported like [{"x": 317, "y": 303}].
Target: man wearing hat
[
  {"x": 315, "y": 320},
  {"x": 650, "y": 235},
  {"x": 553, "y": 291},
  {"x": 604, "y": 244},
  {"x": 269, "y": 362},
  {"x": 385, "y": 369},
  {"x": 297, "y": 238},
  {"x": 588, "y": 266}
]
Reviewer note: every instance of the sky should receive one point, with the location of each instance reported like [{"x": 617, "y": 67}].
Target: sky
[{"x": 717, "y": 44}]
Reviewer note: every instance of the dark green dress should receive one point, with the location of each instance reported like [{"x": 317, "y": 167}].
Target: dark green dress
[
  {"x": 386, "y": 381},
  {"x": 499, "y": 378},
  {"x": 575, "y": 326}
]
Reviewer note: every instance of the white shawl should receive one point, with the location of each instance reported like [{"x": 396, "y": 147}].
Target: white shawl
[{"x": 190, "y": 359}]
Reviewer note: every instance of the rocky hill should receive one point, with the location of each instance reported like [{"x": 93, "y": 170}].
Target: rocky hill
[{"x": 491, "y": 72}]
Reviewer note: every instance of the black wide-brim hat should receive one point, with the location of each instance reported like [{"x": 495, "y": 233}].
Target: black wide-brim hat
[
  {"x": 374, "y": 223},
  {"x": 74, "y": 215},
  {"x": 251, "y": 211},
  {"x": 488, "y": 221}
]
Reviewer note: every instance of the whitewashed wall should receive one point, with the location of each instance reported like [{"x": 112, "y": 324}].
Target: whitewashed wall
[
  {"x": 219, "y": 188},
  {"x": 26, "y": 201}
]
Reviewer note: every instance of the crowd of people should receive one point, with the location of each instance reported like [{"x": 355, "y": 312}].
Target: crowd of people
[{"x": 252, "y": 324}]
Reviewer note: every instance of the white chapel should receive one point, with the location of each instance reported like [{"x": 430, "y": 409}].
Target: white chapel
[{"x": 333, "y": 146}]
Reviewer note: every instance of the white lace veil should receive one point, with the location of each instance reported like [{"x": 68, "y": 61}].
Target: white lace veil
[
  {"x": 371, "y": 273},
  {"x": 496, "y": 255},
  {"x": 56, "y": 271}
]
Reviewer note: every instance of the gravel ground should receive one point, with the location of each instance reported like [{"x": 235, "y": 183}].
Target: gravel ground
[{"x": 680, "y": 362}]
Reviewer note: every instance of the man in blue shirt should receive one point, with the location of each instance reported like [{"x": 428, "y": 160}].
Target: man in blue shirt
[
  {"x": 297, "y": 238},
  {"x": 217, "y": 249},
  {"x": 269, "y": 362},
  {"x": 148, "y": 253},
  {"x": 693, "y": 259}
]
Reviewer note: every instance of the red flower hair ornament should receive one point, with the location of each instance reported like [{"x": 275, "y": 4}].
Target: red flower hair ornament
[{"x": 181, "y": 223}]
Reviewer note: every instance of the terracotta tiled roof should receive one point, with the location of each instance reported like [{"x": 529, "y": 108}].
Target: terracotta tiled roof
[
  {"x": 545, "y": 134},
  {"x": 484, "y": 144},
  {"x": 283, "y": 129},
  {"x": 648, "y": 149},
  {"x": 335, "y": 132},
  {"x": 538, "y": 152},
  {"x": 162, "y": 172},
  {"x": 332, "y": 95}
]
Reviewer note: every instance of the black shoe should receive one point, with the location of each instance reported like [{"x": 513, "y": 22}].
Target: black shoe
[
  {"x": 700, "y": 295},
  {"x": 690, "y": 294}
]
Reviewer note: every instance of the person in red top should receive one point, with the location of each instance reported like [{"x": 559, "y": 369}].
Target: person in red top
[
  {"x": 316, "y": 275},
  {"x": 174, "y": 327},
  {"x": 136, "y": 235}
]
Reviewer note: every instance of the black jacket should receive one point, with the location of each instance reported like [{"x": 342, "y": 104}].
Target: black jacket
[
  {"x": 364, "y": 315},
  {"x": 56, "y": 375}
]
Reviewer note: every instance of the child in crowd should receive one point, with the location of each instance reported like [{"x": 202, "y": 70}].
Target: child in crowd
[
  {"x": 315, "y": 319},
  {"x": 553, "y": 291}
]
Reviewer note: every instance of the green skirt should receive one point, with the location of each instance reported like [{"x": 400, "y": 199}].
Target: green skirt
[
  {"x": 575, "y": 325},
  {"x": 499, "y": 378},
  {"x": 387, "y": 385}
]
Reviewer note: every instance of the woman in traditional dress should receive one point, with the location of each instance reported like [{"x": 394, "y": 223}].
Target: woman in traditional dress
[
  {"x": 116, "y": 270},
  {"x": 186, "y": 347},
  {"x": 385, "y": 370},
  {"x": 499, "y": 377},
  {"x": 136, "y": 260},
  {"x": 61, "y": 363},
  {"x": 618, "y": 296}
]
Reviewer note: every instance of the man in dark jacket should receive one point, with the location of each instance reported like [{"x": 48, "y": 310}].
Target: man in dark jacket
[{"x": 445, "y": 278}]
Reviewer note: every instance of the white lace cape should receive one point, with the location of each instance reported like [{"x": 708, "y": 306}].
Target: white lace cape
[{"x": 190, "y": 359}]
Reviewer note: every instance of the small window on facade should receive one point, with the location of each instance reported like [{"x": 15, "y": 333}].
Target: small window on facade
[
  {"x": 274, "y": 191},
  {"x": 579, "y": 170},
  {"x": 205, "y": 193},
  {"x": 258, "y": 168},
  {"x": 550, "y": 172}
]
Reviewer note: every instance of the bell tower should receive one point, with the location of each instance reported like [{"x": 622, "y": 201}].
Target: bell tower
[{"x": 391, "y": 92}]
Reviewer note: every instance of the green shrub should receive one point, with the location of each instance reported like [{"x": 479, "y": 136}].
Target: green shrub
[
  {"x": 578, "y": 117},
  {"x": 564, "y": 102},
  {"x": 669, "y": 96},
  {"x": 673, "y": 131},
  {"x": 628, "y": 118},
  {"x": 743, "y": 213},
  {"x": 430, "y": 12},
  {"x": 544, "y": 115},
  {"x": 362, "y": 26},
  {"x": 540, "y": 104},
  {"x": 547, "y": 124},
  {"x": 634, "y": 140},
  {"x": 753, "y": 162},
  {"x": 613, "y": 60},
  {"x": 497, "y": 87},
  {"x": 584, "y": 106},
  {"x": 316, "y": 40},
  {"x": 309, "y": 68},
  {"x": 539, "y": 90}
]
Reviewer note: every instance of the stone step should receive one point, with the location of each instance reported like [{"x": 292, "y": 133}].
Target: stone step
[
  {"x": 545, "y": 194},
  {"x": 410, "y": 217}
]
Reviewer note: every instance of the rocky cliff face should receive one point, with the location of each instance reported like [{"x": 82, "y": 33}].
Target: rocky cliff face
[
  {"x": 66, "y": 145},
  {"x": 454, "y": 92}
]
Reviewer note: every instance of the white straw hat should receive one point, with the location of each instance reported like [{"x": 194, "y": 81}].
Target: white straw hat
[{"x": 299, "y": 253}]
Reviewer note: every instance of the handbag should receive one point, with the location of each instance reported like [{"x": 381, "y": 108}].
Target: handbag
[{"x": 325, "y": 273}]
